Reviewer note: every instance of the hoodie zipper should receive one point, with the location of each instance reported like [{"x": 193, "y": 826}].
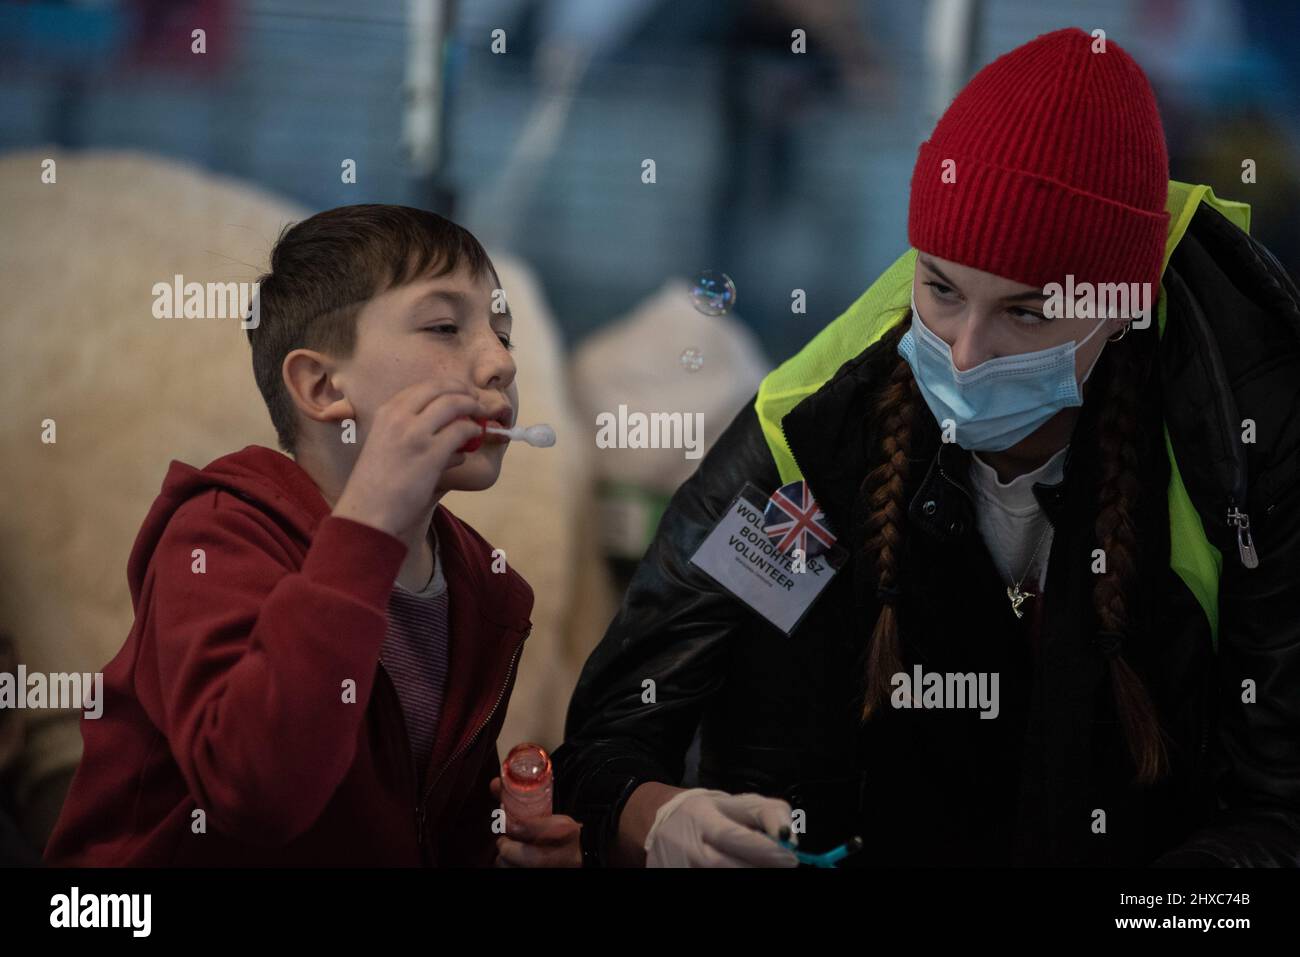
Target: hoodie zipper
[
  {"x": 406, "y": 736},
  {"x": 419, "y": 807}
]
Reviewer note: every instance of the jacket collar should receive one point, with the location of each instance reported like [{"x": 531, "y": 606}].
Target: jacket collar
[{"x": 944, "y": 504}]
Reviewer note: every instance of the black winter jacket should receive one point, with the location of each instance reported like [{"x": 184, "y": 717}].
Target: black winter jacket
[{"x": 779, "y": 715}]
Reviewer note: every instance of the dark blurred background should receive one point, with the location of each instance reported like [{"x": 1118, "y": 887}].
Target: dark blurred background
[{"x": 781, "y": 171}]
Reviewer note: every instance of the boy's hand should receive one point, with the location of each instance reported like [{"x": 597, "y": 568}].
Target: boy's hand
[
  {"x": 412, "y": 441},
  {"x": 551, "y": 841}
]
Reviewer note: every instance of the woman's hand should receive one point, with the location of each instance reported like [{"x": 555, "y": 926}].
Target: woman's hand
[
  {"x": 550, "y": 841},
  {"x": 706, "y": 828}
]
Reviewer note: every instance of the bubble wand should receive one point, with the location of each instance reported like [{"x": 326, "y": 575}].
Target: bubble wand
[
  {"x": 538, "y": 436},
  {"x": 829, "y": 859}
]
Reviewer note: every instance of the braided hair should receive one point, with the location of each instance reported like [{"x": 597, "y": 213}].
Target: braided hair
[{"x": 1118, "y": 439}]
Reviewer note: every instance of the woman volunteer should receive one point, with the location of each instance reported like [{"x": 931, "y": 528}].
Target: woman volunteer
[{"x": 1059, "y": 621}]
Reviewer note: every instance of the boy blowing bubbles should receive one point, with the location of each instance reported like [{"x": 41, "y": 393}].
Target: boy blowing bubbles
[
  {"x": 430, "y": 356},
  {"x": 322, "y": 567}
]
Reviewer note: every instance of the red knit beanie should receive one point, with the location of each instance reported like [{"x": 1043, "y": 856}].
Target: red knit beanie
[{"x": 1058, "y": 166}]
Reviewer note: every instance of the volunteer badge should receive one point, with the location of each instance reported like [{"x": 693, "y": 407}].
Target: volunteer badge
[{"x": 793, "y": 519}]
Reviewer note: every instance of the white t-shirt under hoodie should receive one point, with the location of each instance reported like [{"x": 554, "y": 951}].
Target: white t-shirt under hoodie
[{"x": 1012, "y": 521}]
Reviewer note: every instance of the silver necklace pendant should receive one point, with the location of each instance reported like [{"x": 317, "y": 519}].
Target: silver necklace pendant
[{"x": 1018, "y": 598}]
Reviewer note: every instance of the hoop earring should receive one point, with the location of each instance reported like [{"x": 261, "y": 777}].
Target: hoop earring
[{"x": 1122, "y": 333}]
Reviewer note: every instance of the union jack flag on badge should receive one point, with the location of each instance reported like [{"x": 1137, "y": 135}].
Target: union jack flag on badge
[{"x": 793, "y": 519}]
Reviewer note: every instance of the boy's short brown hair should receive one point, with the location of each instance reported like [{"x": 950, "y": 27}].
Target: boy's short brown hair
[{"x": 327, "y": 267}]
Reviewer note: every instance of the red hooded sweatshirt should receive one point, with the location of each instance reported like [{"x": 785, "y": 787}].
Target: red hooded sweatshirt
[{"x": 231, "y": 692}]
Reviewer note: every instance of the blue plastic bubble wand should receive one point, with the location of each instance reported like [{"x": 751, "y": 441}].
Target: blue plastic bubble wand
[{"x": 830, "y": 858}]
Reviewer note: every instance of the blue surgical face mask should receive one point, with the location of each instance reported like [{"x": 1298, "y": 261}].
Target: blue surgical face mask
[{"x": 1001, "y": 400}]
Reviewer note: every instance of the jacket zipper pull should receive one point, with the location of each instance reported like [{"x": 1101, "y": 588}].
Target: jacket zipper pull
[{"x": 1245, "y": 544}]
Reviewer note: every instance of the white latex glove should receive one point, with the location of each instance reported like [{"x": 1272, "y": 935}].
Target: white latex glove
[{"x": 704, "y": 828}]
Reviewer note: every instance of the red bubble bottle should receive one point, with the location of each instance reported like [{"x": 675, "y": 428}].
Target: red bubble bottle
[{"x": 526, "y": 783}]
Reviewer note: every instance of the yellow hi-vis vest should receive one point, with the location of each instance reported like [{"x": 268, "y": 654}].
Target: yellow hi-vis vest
[{"x": 884, "y": 304}]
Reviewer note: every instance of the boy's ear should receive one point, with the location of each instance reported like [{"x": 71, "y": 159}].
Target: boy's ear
[{"x": 307, "y": 378}]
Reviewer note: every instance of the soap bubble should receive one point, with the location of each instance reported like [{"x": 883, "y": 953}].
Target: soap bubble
[
  {"x": 692, "y": 359},
  {"x": 713, "y": 293}
]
